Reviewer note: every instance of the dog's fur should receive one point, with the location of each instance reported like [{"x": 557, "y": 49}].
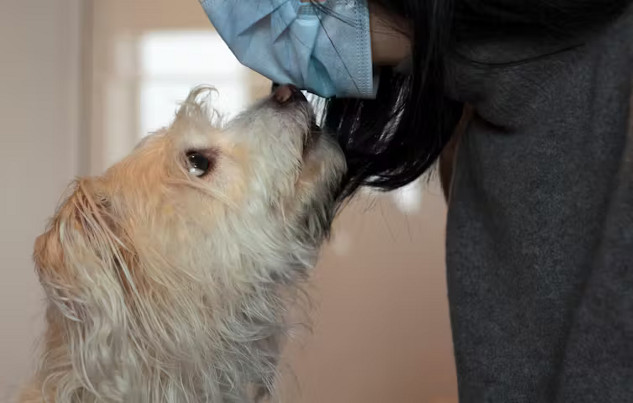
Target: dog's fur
[{"x": 167, "y": 287}]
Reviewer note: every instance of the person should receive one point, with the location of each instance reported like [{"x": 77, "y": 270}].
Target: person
[{"x": 539, "y": 247}]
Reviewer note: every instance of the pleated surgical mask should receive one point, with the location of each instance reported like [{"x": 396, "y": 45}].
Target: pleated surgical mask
[{"x": 320, "y": 46}]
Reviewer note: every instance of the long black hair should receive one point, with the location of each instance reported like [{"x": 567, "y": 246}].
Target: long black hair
[{"x": 391, "y": 140}]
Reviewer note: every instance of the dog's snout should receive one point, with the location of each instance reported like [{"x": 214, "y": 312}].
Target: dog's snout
[{"x": 284, "y": 94}]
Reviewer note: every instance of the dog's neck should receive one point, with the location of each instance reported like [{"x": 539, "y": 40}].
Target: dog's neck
[{"x": 235, "y": 363}]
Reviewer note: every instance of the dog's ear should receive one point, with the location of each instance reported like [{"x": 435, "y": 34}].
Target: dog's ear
[
  {"x": 78, "y": 259},
  {"x": 79, "y": 263}
]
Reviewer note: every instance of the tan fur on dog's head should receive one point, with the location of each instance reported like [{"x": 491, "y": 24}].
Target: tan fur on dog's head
[{"x": 164, "y": 275}]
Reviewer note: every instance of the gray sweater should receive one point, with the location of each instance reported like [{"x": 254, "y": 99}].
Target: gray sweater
[{"x": 540, "y": 226}]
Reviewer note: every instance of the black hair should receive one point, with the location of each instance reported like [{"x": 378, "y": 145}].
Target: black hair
[{"x": 393, "y": 139}]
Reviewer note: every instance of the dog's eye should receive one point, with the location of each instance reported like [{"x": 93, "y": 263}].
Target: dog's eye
[{"x": 197, "y": 163}]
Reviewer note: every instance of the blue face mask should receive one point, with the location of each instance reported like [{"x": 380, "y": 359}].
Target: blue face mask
[{"x": 324, "y": 49}]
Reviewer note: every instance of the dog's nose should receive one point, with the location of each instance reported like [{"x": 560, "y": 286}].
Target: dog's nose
[{"x": 288, "y": 93}]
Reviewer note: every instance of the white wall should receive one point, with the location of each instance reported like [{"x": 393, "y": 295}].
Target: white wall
[{"x": 39, "y": 88}]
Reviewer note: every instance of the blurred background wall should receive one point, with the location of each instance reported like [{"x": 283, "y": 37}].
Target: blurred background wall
[
  {"x": 81, "y": 81},
  {"x": 40, "y": 115}
]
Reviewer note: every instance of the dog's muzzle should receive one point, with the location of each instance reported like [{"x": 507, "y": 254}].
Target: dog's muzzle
[{"x": 289, "y": 94}]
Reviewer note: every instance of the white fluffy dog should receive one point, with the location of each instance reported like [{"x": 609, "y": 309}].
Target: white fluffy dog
[{"x": 166, "y": 277}]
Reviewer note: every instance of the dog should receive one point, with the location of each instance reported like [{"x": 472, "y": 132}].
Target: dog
[{"x": 167, "y": 278}]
